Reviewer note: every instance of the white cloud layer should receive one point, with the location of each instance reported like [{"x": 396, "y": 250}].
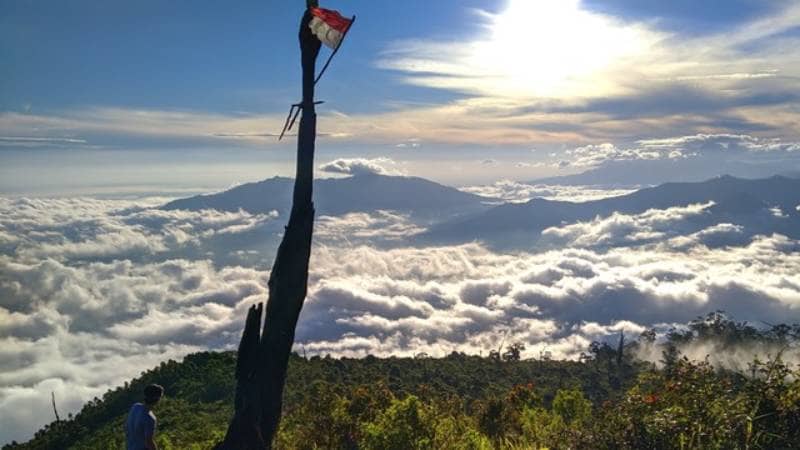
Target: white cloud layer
[
  {"x": 518, "y": 192},
  {"x": 624, "y": 229},
  {"x": 93, "y": 292},
  {"x": 365, "y": 227}
]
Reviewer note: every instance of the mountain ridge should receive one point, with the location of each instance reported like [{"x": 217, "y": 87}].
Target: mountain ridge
[
  {"x": 335, "y": 196},
  {"x": 735, "y": 199}
]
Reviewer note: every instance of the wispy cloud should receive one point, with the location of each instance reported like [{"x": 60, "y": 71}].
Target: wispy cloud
[
  {"x": 544, "y": 49},
  {"x": 34, "y": 141},
  {"x": 555, "y": 55},
  {"x": 542, "y": 73}
]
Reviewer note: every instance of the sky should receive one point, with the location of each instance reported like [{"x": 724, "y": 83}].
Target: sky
[
  {"x": 106, "y": 96},
  {"x": 109, "y": 110}
]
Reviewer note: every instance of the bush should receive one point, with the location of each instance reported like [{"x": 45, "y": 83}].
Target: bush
[{"x": 405, "y": 425}]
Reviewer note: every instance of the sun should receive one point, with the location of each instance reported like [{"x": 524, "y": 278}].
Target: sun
[
  {"x": 537, "y": 49},
  {"x": 555, "y": 48}
]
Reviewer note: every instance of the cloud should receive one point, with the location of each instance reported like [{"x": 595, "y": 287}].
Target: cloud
[
  {"x": 534, "y": 74},
  {"x": 483, "y": 292},
  {"x": 562, "y": 49},
  {"x": 81, "y": 330},
  {"x": 38, "y": 141},
  {"x": 361, "y": 166},
  {"x": 78, "y": 322},
  {"x": 695, "y": 157},
  {"x": 541, "y": 49},
  {"x": 699, "y": 145},
  {"x": 112, "y": 128},
  {"x": 517, "y": 192},
  {"x": 738, "y": 357},
  {"x": 365, "y": 227},
  {"x": 719, "y": 143},
  {"x": 89, "y": 229},
  {"x": 410, "y": 143},
  {"x": 94, "y": 366},
  {"x": 619, "y": 229},
  {"x": 554, "y": 63},
  {"x": 595, "y": 155}
]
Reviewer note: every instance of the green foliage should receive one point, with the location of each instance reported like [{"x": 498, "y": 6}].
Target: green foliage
[
  {"x": 697, "y": 407},
  {"x": 406, "y": 424},
  {"x": 609, "y": 400},
  {"x": 458, "y": 433},
  {"x": 572, "y": 406},
  {"x": 541, "y": 427},
  {"x": 201, "y": 384}
]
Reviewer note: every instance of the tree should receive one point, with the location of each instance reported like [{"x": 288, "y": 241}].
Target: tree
[
  {"x": 263, "y": 356},
  {"x": 572, "y": 406},
  {"x": 404, "y": 425},
  {"x": 514, "y": 352}
]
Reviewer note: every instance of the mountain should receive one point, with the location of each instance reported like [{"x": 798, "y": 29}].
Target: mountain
[
  {"x": 335, "y": 196},
  {"x": 454, "y": 216},
  {"x": 739, "y": 201}
]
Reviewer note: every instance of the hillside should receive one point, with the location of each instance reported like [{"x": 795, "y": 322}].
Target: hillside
[
  {"x": 610, "y": 400},
  {"x": 745, "y": 202},
  {"x": 199, "y": 392},
  {"x": 334, "y": 196}
]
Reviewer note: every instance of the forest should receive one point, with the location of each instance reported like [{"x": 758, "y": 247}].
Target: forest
[{"x": 610, "y": 398}]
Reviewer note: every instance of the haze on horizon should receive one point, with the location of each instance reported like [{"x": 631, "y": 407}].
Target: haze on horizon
[{"x": 108, "y": 111}]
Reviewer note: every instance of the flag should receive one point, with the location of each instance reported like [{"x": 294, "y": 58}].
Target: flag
[{"x": 329, "y": 26}]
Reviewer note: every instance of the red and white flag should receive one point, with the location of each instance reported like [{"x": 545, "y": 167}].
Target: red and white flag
[{"x": 329, "y": 26}]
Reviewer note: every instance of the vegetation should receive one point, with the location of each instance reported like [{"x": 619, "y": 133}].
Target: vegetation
[{"x": 610, "y": 399}]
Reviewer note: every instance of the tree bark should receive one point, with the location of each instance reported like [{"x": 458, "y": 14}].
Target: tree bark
[{"x": 263, "y": 356}]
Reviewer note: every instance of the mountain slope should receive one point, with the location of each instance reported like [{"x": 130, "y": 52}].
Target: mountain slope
[
  {"x": 346, "y": 403},
  {"x": 736, "y": 200},
  {"x": 200, "y": 390},
  {"x": 334, "y": 196}
]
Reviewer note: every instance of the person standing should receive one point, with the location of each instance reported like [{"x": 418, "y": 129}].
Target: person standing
[{"x": 140, "y": 428}]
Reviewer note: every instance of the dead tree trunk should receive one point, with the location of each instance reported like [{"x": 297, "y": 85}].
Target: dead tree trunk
[{"x": 263, "y": 356}]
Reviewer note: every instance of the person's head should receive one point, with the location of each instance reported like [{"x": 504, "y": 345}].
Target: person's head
[{"x": 152, "y": 394}]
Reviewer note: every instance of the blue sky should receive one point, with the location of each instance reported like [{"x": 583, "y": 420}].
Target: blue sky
[
  {"x": 417, "y": 81},
  {"x": 210, "y": 56},
  {"x": 202, "y": 55}
]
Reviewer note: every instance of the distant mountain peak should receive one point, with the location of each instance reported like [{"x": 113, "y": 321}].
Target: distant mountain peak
[{"x": 362, "y": 192}]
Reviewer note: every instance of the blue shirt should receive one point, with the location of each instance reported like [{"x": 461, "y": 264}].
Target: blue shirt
[{"x": 141, "y": 423}]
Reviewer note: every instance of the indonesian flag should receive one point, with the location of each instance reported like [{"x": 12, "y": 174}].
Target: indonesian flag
[{"x": 329, "y": 26}]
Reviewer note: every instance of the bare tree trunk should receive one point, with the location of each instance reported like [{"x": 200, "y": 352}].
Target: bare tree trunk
[
  {"x": 53, "y": 398},
  {"x": 263, "y": 357}
]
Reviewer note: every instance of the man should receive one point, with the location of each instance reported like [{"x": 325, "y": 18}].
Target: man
[{"x": 141, "y": 425}]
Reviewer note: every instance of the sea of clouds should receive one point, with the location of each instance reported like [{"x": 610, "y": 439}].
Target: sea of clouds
[{"x": 93, "y": 292}]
